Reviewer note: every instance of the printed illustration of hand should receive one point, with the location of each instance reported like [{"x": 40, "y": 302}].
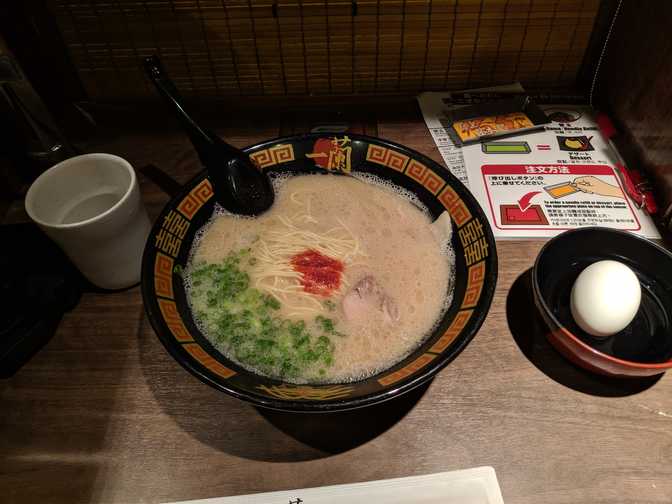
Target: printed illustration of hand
[{"x": 593, "y": 185}]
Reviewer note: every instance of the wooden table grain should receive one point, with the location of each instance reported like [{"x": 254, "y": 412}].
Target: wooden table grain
[{"x": 103, "y": 414}]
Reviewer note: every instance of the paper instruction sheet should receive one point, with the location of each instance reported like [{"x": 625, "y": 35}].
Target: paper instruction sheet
[
  {"x": 434, "y": 107},
  {"x": 541, "y": 183},
  {"x": 546, "y": 182}
]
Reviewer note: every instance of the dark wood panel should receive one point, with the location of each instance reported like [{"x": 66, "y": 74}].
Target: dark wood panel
[
  {"x": 32, "y": 35},
  {"x": 634, "y": 85}
]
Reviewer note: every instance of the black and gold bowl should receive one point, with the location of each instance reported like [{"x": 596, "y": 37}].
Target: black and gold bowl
[{"x": 167, "y": 252}]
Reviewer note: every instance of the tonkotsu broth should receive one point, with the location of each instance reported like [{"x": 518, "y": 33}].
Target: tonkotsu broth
[{"x": 247, "y": 288}]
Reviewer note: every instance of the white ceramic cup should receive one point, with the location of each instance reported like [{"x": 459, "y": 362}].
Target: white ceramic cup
[{"x": 90, "y": 206}]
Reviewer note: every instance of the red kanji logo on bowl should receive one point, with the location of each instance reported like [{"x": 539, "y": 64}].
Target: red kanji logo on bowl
[{"x": 332, "y": 153}]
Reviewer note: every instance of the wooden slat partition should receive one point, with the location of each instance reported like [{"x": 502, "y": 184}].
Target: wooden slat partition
[
  {"x": 302, "y": 47},
  {"x": 634, "y": 86}
]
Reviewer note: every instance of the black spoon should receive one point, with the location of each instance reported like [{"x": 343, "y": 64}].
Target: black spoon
[{"x": 239, "y": 185}]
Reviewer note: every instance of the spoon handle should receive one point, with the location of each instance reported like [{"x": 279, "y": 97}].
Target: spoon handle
[
  {"x": 239, "y": 185},
  {"x": 202, "y": 139}
]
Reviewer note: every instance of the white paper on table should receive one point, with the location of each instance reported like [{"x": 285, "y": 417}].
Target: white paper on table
[
  {"x": 434, "y": 106},
  {"x": 546, "y": 165},
  {"x": 470, "y": 486}
]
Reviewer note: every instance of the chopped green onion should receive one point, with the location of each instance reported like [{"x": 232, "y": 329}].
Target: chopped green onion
[{"x": 241, "y": 319}]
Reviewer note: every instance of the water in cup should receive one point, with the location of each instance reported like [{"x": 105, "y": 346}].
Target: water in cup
[{"x": 90, "y": 206}]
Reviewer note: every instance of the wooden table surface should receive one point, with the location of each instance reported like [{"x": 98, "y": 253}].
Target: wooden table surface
[{"x": 103, "y": 414}]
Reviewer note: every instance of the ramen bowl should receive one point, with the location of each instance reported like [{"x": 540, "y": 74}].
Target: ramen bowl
[
  {"x": 167, "y": 253},
  {"x": 644, "y": 347}
]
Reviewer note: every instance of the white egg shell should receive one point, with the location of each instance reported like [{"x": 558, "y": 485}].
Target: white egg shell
[{"x": 605, "y": 298}]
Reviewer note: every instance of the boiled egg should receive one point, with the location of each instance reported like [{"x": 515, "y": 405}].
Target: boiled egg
[{"x": 605, "y": 298}]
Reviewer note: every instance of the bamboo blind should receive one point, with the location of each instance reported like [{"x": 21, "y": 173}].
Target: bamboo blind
[{"x": 293, "y": 47}]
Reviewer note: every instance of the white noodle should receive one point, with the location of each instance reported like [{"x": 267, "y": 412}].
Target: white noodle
[{"x": 274, "y": 250}]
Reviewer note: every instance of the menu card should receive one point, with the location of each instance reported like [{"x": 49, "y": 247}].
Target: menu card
[
  {"x": 470, "y": 486},
  {"x": 541, "y": 183}
]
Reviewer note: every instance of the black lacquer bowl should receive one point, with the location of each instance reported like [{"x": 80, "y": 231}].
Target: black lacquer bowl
[
  {"x": 168, "y": 246},
  {"x": 644, "y": 347}
]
